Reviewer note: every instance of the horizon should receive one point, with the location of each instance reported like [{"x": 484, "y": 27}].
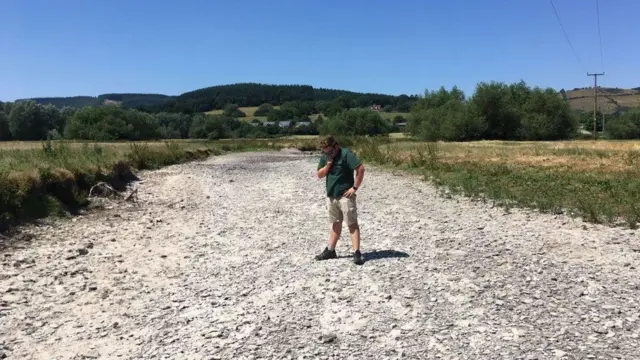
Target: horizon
[
  {"x": 79, "y": 49},
  {"x": 315, "y": 88}
]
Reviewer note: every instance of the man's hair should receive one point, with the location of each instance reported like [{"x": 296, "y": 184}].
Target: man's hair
[{"x": 328, "y": 140}]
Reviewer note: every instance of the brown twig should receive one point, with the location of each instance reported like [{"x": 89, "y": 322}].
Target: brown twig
[{"x": 130, "y": 196}]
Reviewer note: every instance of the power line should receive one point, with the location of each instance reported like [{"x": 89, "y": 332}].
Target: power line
[
  {"x": 599, "y": 35},
  {"x": 567, "y": 36}
]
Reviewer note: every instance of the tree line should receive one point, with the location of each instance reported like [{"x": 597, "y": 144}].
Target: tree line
[
  {"x": 500, "y": 111},
  {"x": 128, "y": 100},
  {"x": 495, "y": 111},
  {"x": 28, "y": 120}
]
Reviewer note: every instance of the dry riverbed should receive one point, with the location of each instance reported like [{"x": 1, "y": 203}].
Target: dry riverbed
[{"x": 216, "y": 262}]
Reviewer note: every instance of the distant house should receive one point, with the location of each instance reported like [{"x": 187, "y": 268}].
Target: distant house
[
  {"x": 287, "y": 123},
  {"x": 375, "y": 107}
]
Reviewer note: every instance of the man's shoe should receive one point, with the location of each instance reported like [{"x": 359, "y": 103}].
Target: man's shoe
[
  {"x": 357, "y": 258},
  {"x": 327, "y": 254}
]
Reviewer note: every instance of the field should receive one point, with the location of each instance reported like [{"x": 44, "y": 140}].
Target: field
[
  {"x": 599, "y": 181},
  {"x": 250, "y": 110},
  {"x": 609, "y": 100}
]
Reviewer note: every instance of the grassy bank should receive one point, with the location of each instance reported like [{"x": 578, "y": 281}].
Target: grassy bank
[
  {"x": 43, "y": 179},
  {"x": 40, "y": 179},
  {"x": 599, "y": 181}
]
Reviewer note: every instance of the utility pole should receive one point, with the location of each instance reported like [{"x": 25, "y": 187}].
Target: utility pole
[{"x": 595, "y": 101}]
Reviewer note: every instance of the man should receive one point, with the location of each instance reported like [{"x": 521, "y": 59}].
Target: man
[{"x": 338, "y": 165}]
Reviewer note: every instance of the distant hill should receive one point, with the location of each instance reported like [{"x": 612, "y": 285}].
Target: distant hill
[
  {"x": 254, "y": 94},
  {"x": 125, "y": 100},
  {"x": 213, "y": 98},
  {"x": 610, "y": 100}
]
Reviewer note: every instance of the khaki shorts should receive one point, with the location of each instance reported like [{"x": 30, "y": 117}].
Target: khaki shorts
[{"x": 341, "y": 208}]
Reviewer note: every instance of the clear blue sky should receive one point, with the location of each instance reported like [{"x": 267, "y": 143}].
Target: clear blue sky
[{"x": 80, "y": 47}]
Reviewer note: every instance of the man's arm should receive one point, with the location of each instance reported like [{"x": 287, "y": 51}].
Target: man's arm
[
  {"x": 323, "y": 167},
  {"x": 359, "y": 176}
]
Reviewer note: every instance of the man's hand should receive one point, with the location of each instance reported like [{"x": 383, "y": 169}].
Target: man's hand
[{"x": 349, "y": 193}]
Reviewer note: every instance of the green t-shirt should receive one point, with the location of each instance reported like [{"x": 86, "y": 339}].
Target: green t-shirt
[{"x": 340, "y": 177}]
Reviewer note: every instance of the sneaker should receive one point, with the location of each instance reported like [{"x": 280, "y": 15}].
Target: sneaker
[
  {"x": 357, "y": 258},
  {"x": 327, "y": 254}
]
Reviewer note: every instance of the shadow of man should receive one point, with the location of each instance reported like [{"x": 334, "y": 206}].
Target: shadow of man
[{"x": 384, "y": 254}]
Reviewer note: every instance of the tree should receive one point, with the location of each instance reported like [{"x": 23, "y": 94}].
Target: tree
[
  {"x": 233, "y": 110},
  {"x": 111, "y": 122},
  {"x": 356, "y": 122},
  {"x": 446, "y": 116},
  {"x": 263, "y": 109},
  {"x": 65, "y": 114},
  {"x": 27, "y": 121},
  {"x": 208, "y": 127},
  {"x": 52, "y": 117},
  {"x": 625, "y": 126},
  {"x": 173, "y": 126},
  {"x": 545, "y": 116},
  {"x": 498, "y": 104},
  {"x": 5, "y": 133}
]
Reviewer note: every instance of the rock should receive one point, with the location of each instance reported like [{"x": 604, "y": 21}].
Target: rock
[
  {"x": 83, "y": 251},
  {"x": 559, "y": 353},
  {"x": 328, "y": 338}
]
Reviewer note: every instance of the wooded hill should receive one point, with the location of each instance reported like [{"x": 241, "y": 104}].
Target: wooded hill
[{"x": 242, "y": 94}]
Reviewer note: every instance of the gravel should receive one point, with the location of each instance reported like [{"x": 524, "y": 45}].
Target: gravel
[{"x": 216, "y": 262}]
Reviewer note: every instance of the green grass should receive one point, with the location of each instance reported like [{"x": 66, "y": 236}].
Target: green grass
[{"x": 599, "y": 182}]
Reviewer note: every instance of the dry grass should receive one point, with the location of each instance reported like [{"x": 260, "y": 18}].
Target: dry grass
[
  {"x": 249, "y": 110},
  {"x": 595, "y": 156},
  {"x": 599, "y": 181}
]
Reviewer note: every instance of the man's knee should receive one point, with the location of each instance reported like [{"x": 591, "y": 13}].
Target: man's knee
[{"x": 353, "y": 227}]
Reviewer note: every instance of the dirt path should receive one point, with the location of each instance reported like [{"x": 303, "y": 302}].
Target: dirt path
[{"x": 217, "y": 263}]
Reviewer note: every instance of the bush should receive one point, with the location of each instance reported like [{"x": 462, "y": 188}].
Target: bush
[
  {"x": 111, "y": 122},
  {"x": 263, "y": 110},
  {"x": 496, "y": 111},
  {"x": 233, "y": 111},
  {"x": 354, "y": 122},
  {"x": 625, "y": 126}
]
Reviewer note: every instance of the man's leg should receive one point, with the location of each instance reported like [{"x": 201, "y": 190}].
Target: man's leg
[
  {"x": 354, "y": 230},
  {"x": 350, "y": 210},
  {"x": 335, "y": 218},
  {"x": 334, "y": 235}
]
